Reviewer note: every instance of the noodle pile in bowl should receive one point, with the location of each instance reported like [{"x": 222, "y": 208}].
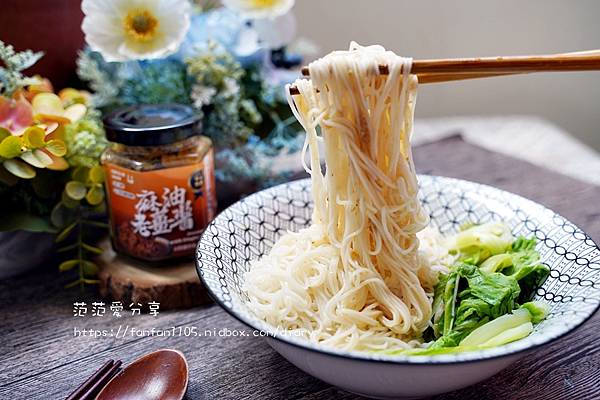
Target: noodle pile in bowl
[{"x": 361, "y": 277}]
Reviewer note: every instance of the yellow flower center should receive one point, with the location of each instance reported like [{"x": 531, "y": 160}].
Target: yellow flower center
[
  {"x": 141, "y": 25},
  {"x": 258, "y": 4}
]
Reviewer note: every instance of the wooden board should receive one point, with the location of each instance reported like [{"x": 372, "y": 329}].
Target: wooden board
[{"x": 174, "y": 285}]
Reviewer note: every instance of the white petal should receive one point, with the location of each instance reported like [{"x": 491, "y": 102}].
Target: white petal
[
  {"x": 247, "y": 42},
  {"x": 251, "y": 10},
  {"x": 276, "y": 32}
]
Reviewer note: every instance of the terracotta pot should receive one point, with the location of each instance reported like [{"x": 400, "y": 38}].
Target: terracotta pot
[{"x": 53, "y": 27}]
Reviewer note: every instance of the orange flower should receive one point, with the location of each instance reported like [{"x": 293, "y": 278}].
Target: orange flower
[
  {"x": 44, "y": 86},
  {"x": 49, "y": 108}
]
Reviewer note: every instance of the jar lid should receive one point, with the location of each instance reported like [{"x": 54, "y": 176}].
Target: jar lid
[{"x": 151, "y": 124}]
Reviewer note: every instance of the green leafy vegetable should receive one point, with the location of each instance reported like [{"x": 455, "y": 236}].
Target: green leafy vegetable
[
  {"x": 477, "y": 303},
  {"x": 502, "y": 330},
  {"x": 478, "y": 242},
  {"x": 484, "y": 296},
  {"x": 522, "y": 263},
  {"x": 537, "y": 310},
  {"x": 495, "y": 327},
  {"x": 510, "y": 335}
]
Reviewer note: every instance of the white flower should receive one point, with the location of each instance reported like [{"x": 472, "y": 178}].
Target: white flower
[
  {"x": 260, "y": 8},
  {"x": 202, "y": 95},
  {"x": 124, "y": 30},
  {"x": 305, "y": 47},
  {"x": 231, "y": 87},
  {"x": 276, "y": 32}
]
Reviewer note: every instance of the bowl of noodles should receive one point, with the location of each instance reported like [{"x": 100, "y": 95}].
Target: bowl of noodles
[{"x": 382, "y": 282}]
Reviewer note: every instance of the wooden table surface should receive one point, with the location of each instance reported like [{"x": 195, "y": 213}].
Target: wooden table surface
[{"x": 42, "y": 358}]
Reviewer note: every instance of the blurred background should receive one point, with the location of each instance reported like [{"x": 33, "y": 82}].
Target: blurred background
[
  {"x": 434, "y": 29},
  {"x": 421, "y": 29}
]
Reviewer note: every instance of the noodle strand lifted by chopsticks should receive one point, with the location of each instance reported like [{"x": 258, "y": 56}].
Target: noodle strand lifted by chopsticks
[{"x": 354, "y": 279}]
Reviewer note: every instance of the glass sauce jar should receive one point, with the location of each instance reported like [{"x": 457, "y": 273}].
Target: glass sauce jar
[{"x": 159, "y": 181}]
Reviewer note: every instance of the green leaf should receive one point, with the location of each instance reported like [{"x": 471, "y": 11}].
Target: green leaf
[
  {"x": 96, "y": 223},
  {"x": 74, "y": 283},
  {"x": 65, "y": 232},
  {"x": 70, "y": 247},
  {"x": 96, "y": 174},
  {"x": 68, "y": 202},
  {"x": 91, "y": 249},
  {"x": 56, "y": 147},
  {"x": 34, "y": 137},
  {"x": 526, "y": 268},
  {"x": 67, "y": 265},
  {"x": 11, "y": 147},
  {"x": 95, "y": 195},
  {"x": 91, "y": 281},
  {"x": 80, "y": 174},
  {"x": 89, "y": 268},
  {"x": 61, "y": 215},
  {"x": 75, "y": 190},
  {"x": 37, "y": 158},
  {"x": 19, "y": 168},
  {"x": 4, "y": 133}
]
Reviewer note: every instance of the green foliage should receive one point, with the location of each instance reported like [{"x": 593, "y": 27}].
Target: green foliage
[
  {"x": 100, "y": 76},
  {"x": 11, "y": 147},
  {"x": 248, "y": 120},
  {"x": 62, "y": 200},
  {"x": 34, "y": 197},
  {"x": 56, "y": 147},
  {"x": 135, "y": 82},
  {"x": 217, "y": 94},
  {"x": 75, "y": 190},
  {"x": 82, "y": 198},
  {"x": 38, "y": 191},
  {"x": 28, "y": 148},
  {"x": 11, "y": 77},
  {"x": 86, "y": 184},
  {"x": 19, "y": 169},
  {"x": 36, "y": 158},
  {"x": 85, "y": 140},
  {"x": 80, "y": 250},
  {"x": 157, "y": 82}
]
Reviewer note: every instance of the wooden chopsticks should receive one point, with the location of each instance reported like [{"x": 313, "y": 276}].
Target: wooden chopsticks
[
  {"x": 90, "y": 388},
  {"x": 445, "y": 70}
]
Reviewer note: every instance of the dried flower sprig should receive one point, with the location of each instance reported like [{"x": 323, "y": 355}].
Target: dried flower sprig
[{"x": 11, "y": 77}]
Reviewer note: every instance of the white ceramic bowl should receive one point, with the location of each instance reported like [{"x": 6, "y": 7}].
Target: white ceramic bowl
[{"x": 248, "y": 229}]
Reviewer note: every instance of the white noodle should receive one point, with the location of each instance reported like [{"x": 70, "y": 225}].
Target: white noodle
[{"x": 356, "y": 279}]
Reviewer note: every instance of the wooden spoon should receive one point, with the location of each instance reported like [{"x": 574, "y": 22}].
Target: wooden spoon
[{"x": 161, "y": 375}]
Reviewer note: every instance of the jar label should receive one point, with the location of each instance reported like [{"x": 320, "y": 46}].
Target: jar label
[{"x": 162, "y": 213}]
